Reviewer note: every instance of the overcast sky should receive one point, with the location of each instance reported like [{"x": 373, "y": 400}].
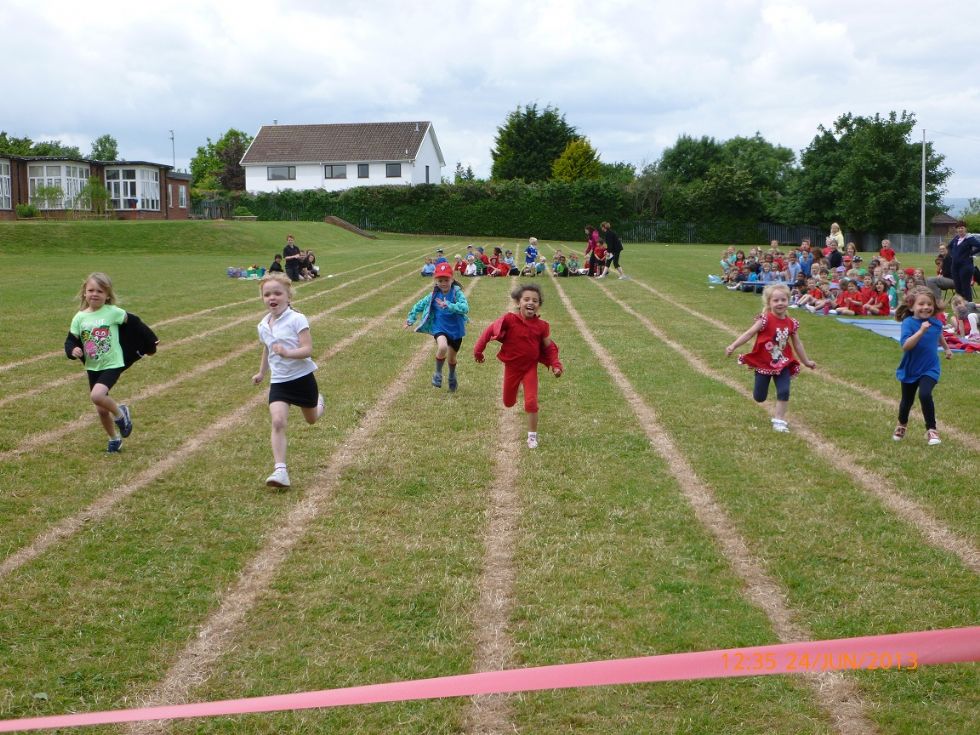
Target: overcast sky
[{"x": 630, "y": 76}]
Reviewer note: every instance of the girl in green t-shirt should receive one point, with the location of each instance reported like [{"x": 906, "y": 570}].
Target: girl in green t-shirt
[{"x": 96, "y": 325}]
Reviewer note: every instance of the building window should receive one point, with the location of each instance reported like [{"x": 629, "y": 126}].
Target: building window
[
  {"x": 426, "y": 174},
  {"x": 149, "y": 189},
  {"x": 338, "y": 171},
  {"x": 281, "y": 173},
  {"x": 121, "y": 185},
  {"x": 5, "y": 185},
  {"x": 170, "y": 196},
  {"x": 49, "y": 177},
  {"x": 363, "y": 170},
  {"x": 393, "y": 170},
  {"x": 76, "y": 178},
  {"x": 182, "y": 196}
]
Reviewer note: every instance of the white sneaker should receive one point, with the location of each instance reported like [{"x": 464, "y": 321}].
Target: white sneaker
[
  {"x": 278, "y": 478},
  {"x": 780, "y": 425},
  {"x": 532, "y": 442},
  {"x": 624, "y": 278}
]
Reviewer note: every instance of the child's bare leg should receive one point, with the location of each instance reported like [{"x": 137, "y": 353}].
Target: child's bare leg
[
  {"x": 781, "y": 407},
  {"x": 107, "y": 408},
  {"x": 279, "y": 412},
  {"x": 532, "y": 422},
  {"x": 442, "y": 347}
]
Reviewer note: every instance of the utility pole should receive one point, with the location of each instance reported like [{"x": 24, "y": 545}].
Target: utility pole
[
  {"x": 173, "y": 149},
  {"x": 922, "y": 209}
]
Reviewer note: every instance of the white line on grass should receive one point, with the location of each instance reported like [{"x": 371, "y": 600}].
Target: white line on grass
[
  {"x": 78, "y": 373},
  {"x": 47, "y": 355},
  {"x": 837, "y": 695},
  {"x": 964, "y": 437},
  {"x": 206, "y": 436},
  {"x": 193, "y": 665},
  {"x": 933, "y": 530},
  {"x": 38, "y": 440},
  {"x": 491, "y": 714}
]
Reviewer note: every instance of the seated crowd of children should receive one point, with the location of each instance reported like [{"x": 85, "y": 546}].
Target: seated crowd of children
[
  {"x": 475, "y": 262},
  {"x": 851, "y": 288}
]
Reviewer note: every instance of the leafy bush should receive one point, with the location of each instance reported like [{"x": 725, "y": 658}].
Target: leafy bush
[
  {"x": 26, "y": 211},
  {"x": 243, "y": 211}
]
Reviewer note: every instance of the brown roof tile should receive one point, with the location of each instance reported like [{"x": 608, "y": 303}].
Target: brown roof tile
[{"x": 393, "y": 141}]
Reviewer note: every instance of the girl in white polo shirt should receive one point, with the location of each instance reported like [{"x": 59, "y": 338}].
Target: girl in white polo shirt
[{"x": 286, "y": 350}]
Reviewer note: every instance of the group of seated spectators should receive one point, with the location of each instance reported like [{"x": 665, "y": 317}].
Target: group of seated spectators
[
  {"x": 306, "y": 268},
  {"x": 475, "y": 262},
  {"x": 829, "y": 282}
]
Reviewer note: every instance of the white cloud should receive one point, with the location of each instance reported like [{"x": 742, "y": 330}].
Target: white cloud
[{"x": 630, "y": 75}]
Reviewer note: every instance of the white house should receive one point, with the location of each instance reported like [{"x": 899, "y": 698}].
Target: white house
[{"x": 342, "y": 156}]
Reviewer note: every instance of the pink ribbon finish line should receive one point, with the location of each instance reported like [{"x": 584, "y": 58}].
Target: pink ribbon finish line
[{"x": 900, "y": 651}]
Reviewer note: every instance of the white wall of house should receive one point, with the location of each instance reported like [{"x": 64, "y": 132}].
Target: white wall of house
[
  {"x": 314, "y": 175},
  {"x": 427, "y": 156}
]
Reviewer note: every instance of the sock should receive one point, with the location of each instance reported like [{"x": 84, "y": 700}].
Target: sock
[
  {"x": 532, "y": 435},
  {"x": 452, "y": 368},
  {"x": 439, "y": 364},
  {"x": 117, "y": 415},
  {"x": 280, "y": 465}
]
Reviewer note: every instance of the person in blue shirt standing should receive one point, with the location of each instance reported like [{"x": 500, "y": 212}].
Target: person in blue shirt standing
[
  {"x": 443, "y": 314},
  {"x": 922, "y": 334},
  {"x": 531, "y": 255}
]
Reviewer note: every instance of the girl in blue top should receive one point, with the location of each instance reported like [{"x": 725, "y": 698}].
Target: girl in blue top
[
  {"x": 443, "y": 315},
  {"x": 918, "y": 371}
]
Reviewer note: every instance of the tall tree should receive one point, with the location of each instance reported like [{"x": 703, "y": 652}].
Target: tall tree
[
  {"x": 621, "y": 173},
  {"x": 528, "y": 143},
  {"x": 14, "y": 146},
  {"x": 866, "y": 174},
  {"x": 55, "y": 148},
  {"x": 105, "y": 148},
  {"x": 217, "y": 165},
  {"x": 578, "y": 161},
  {"x": 463, "y": 174}
]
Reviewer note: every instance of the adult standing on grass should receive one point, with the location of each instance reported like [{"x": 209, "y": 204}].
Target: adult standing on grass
[
  {"x": 293, "y": 257},
  {"x": 837, "y": 235},
  {"x": 286, "y": 353},
  {"x": 962, "y": 248},
  {"x": 615, "y": 246}
]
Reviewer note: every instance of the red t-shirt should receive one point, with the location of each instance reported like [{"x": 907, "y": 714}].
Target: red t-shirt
[
  {"x": 881, "y": 301},
  {"x": 772, "y": 352},
  {"x": 867, "y": 293},
  {"x": 816, "y": 293},
  {"x": 887, "y": 253},
  {"x": 853, "y": 301}
]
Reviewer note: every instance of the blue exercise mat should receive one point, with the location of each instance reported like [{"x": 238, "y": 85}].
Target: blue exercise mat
[{"x": 884, "y": 327}]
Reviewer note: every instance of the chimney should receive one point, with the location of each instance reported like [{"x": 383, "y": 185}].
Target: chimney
[{"x": 416, "y": 127}]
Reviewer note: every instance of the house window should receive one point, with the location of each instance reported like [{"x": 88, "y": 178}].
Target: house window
[
  {"x": 121, "y": 185},
  {"x": 76, "y": 178},
  {"x": 338, "y": 171},
  {"x": 170, "y": 196},
  {"x": 363, "y": 170},
  {"x": 393, "y": 170},
  {"x": 5, "y": 185},
  {"x": 281, "y": 173},
  {"x": 44, "y": 176},
  {"x": 149, "y": 189},
  {"x": 426, "y": 174},
  {"x": 182, "y": 196}
]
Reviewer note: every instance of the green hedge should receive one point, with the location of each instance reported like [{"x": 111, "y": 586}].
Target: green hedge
[{"x": 551, "y": 210}]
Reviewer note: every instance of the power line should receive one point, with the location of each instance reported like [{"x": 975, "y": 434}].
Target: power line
[{"x": 954, "y": 135}]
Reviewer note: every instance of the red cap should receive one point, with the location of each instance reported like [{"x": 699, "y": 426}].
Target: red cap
[{"x": 443, "y": 270}]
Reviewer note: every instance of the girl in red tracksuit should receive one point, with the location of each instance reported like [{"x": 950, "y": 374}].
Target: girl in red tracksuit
[{"x": 526, "y": 340}]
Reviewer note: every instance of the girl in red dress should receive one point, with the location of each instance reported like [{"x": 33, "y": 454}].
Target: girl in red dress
[
  {"x": 772, "y": 357},
  {"x": 526, "y": 341}
]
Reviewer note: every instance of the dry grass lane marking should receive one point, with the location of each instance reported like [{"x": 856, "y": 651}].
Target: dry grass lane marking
[
  {"x": 103, "y": 505},
  {"x": 38, "y": 440},
  {"x": 492, "y": 714},
  {"x": 964, "y": 437},
  {"x": 837, "y": 695},
  {"x": 193, "y": 666},
  {"x": 934, "y": 531},
  {"x": 182, "y": 317}
]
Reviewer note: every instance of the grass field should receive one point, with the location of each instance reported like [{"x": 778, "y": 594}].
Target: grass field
[{"x": 421, "y": 537}]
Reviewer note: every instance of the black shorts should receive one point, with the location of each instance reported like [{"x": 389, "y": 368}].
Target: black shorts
[
  {"x": 302, "y": 392},
  {"x": 107, "y": 377},
  {"x": 454, "y": 342}
]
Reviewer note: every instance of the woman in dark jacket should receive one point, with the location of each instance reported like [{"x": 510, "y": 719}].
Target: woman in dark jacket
[{"x": 615, "y": 247}]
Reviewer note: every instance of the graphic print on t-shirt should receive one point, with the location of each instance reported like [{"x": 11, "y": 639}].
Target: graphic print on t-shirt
[{"x": 97, "y": 341}]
